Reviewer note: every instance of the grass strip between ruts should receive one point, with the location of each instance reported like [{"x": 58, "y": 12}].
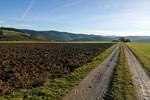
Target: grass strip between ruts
[
  {"x": 121, "y": 86},
  {"x": 57, "y": 88}
]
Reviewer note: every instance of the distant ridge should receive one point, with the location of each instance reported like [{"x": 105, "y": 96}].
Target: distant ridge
[{"x": 66, "y": 36}]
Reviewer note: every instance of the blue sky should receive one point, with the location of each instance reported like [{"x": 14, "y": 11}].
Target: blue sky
[{"x": 102, "y": 17}]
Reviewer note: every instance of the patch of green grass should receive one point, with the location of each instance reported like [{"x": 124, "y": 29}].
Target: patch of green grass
[
  {"x": 81, "y": 55},
  {"x": 57, "y": 88},
  {"x": 142, "y": 52},
  {"x": 121, "y": 87}
]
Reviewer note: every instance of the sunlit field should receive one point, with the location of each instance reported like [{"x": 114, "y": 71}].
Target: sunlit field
[
  {"x": 142, "y": 51},
  {"x": 75, "y": 50}
]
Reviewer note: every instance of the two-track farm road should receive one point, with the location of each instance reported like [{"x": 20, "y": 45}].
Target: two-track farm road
[
  {"x": 141, "y": 79},
  {"x": 96, "y": 83}
]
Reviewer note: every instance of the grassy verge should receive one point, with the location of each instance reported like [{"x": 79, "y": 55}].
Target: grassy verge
[
  {"x": 122, "y": 87},
  {"x": 57, "y": 88},
  {"x": 141, "y": 51}
]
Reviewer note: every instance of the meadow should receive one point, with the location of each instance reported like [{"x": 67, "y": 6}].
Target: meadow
[{"x": 142, "y": 52}]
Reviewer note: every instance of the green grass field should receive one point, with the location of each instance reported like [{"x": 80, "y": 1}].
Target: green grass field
[{"x": 142, "y": 51}]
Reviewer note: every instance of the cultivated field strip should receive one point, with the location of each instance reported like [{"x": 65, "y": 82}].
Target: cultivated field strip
[
  {"x": 141, "y": 79},
  {"x": 23, "y": 66},
  {"x": 95, "y": 85}
]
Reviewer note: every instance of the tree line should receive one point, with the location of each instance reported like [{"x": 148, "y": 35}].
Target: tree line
[
  {"x": 11, "y": 29},
  {"x": 122, "y": 39}
]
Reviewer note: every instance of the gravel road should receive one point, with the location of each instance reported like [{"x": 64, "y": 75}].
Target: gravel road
[
  {"x": 96, "y": 83},
  {"x": 141, "y": 79}
]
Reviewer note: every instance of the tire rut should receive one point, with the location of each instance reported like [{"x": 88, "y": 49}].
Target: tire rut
[
  {"x": 96, "y": 83},
  {"x": 140, "y": 77}
]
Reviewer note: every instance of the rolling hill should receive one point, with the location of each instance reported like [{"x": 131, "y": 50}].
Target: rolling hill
[
  {"x": 66, "y": 36},
  {"x": 8, "y": 35},
  {"x": 139, "y": 38},
  {"x": 25, "y": 34},
  {"x": 61, "y": 36}
]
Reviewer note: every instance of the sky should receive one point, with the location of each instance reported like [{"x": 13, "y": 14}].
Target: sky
[{"x": 100, "y": 17}]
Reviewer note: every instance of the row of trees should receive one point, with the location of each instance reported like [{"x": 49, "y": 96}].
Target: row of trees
[
  {"x": 11, "y": 29},
  {"x": 1, "y": 32},
  {"x": 122, "y": 39}
]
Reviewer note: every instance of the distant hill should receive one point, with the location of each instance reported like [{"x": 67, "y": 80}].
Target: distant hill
[
  {"x": 139, "y": 38},
  {"x": 8, "y": 35},
  {"x": 61, "y": 36},
  {"x": 65, "y": 36}
]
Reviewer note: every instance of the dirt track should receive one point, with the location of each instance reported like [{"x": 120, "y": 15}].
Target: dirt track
[
  {"x": 96, "y": 83},
  {"x": 141, "y": 79}
]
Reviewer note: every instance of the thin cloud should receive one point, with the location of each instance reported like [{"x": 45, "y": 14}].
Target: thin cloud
[
  {"x": 2, "y": 21},
  {"x": 116, "y": 33},
  {"x": 73, "y": 3},
  {"x": 25, "y": 25},
  {"x": 16, "y": 19},
  {"x": 67, "y": 5},
  {"x": 5, "y": 25},
  {"x": 29, "y": 7}
]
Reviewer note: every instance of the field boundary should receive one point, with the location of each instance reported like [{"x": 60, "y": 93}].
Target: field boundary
[{"x": 57, "y": 88}]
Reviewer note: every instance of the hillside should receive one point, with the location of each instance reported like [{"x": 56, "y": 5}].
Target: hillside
[
  {"x": 25, "y": 34},
  {"x": 61, "y": 36},
  {"x": 66, "y": 36},
  {"x": 8, "y": 35},
  {"x": 139, "y": 38}
]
